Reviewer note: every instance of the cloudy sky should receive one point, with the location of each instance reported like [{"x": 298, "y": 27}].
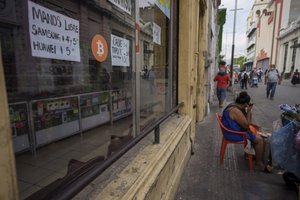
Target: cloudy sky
[{"x": 241, "y": 27}]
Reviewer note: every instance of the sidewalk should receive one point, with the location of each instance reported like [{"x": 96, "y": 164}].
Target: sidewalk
[{"x": 205, "y": 178}]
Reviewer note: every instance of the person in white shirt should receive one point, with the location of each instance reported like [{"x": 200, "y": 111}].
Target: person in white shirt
[{"x": 271, "y": 79}]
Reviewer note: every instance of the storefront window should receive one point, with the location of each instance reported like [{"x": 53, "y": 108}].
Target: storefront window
[
  {"x": 69, "y": 77},
  {"x": 155, "y": 77},
  {"x": 71, "y": 80}
]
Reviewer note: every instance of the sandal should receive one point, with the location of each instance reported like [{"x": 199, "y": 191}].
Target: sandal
[
  {"x": 268, "y": 169},
  {"x": 247, "y": 157}
]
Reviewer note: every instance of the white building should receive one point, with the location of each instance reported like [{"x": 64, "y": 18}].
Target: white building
[
  {"x": 255, "y": 13},
  {"x": 288, "y": 57}
]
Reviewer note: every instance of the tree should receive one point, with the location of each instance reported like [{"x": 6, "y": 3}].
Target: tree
[
  {"x": 240, "y": 61},
  {"x": 221, "y": 57}
]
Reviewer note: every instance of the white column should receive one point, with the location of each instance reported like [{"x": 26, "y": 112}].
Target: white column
[{"x": 289, "y": 58}]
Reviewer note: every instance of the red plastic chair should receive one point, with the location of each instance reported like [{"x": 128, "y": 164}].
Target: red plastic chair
[{"x": 225, "y": 142}]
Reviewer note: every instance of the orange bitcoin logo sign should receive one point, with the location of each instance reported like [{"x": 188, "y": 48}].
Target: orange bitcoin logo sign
[{"x": 99, "y": 48}]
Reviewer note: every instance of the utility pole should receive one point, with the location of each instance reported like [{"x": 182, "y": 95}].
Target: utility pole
[{"x": 233, "y": 39}]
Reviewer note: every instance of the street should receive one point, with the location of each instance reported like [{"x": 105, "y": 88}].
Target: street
[
  {"x": 265, "y": 110},
  {"x": 205, "y": 178}
]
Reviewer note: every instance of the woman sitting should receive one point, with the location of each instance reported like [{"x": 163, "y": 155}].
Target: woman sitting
[{"x": 236, "y": 116}]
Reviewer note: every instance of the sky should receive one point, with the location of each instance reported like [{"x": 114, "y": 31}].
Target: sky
[{"x": 240, "y": 29}]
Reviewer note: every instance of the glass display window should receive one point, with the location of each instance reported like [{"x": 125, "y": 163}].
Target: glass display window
[
  {"x": 74, "y": 64},
  {"x": 155, "y": 78}
]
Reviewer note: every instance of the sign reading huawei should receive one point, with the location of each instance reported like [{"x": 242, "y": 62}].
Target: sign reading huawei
[{"x": 53, "y": 35}]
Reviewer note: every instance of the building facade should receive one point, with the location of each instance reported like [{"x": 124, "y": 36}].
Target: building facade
[
  {"x": 252, "y": 21},
  {"x": 83, "y": 78},
  {"x": 288, "y": 56}
]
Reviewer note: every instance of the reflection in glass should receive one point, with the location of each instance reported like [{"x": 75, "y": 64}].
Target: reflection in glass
[
  {"x": 68, "y": 111},
  {"x": 155, "y": 44}
]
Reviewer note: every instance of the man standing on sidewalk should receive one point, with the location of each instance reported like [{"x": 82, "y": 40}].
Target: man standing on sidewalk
[
  {"x": 222, "y": 79},
  {"x": 271, "y": 79}
]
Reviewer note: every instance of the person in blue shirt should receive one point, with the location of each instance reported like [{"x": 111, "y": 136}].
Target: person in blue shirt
[{"x": 237, "y": 117}]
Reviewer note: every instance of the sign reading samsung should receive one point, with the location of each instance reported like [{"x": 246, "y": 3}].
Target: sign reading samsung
[
  {"x": 123, "y": 5},
  {"x": 53, "y": 35}
]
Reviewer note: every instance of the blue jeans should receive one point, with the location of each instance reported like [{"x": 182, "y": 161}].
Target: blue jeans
[
  {"x": 271, "y": 87},
  {"x": 221, "y": 93}
]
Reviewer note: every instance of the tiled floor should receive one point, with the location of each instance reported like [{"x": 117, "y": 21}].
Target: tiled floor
[
  {"x": 51, "y": 161},
  {"x": 205, "y": 178}
]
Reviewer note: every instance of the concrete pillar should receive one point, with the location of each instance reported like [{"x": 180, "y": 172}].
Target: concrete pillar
[
  {"x": 289, "y": 58},
  {"x": 297, "y": 56},
  {"x": 8, "y": 182},
  {"x": 203, "y": 54},
  {"x": 188, "y": 58},
  {"x": 280, "y": 58}
]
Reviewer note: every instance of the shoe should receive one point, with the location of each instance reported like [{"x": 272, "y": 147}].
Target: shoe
[
  {"x": 266, "y": 169},
  {"x": 272, "y": 98}
]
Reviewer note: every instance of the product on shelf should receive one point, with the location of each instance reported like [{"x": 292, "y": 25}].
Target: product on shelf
[
  {"x": 53, "y": 112},
  {"x": 91, "y": 103},
  {"x": 18, "y": 118}
]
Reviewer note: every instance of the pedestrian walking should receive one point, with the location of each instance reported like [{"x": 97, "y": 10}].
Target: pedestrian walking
[
  {"x": 259, "y": 74},
  {"x": 271, "y": 79},
  {"x": 296, "y": 78},
  {"x": 222, "y": 79},
  {"x": 244, "y": 79}
]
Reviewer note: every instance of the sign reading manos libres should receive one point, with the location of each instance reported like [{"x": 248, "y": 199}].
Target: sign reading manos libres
[
  {"x": 52, "y": 35},
  {"x": 119, "y": 51}
]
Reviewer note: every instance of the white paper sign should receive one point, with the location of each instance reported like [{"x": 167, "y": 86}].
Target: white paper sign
[
  {"x": 156, "y": 33},
  {"x": 53, "y": 35},
  {"x": 123, "y": 5},
  {"x": 119, "y": 51}
]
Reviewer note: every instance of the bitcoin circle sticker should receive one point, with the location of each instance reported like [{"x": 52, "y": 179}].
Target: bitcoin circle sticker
[{"x": 99, "y": 48}]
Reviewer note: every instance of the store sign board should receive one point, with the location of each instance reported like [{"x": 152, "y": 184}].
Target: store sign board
[
  {"x": 99, "y": 48},
  {"x": 164, "y": 6},
  {"x": 156, "y": 33},
  {"x": 53, "y": 35},
  {"x": 124, "y": 5},
  {"x": 119, "y": 51}
]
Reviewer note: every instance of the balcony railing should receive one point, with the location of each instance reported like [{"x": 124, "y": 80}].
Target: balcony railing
[{"x": 251, "y": 28}]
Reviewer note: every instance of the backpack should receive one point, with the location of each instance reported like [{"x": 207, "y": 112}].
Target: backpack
[{"x": 245, "y": 76}]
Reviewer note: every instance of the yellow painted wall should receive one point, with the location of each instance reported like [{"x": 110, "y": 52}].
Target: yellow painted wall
[
  {"x": 202, "y": 77},
  {"x": 8, "y": 184},
  {"x": 188, "y": 52},
  {"x": 155, "y": 172}
]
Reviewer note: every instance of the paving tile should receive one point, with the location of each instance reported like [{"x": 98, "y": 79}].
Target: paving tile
[{"x": 49, "y": 179}]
